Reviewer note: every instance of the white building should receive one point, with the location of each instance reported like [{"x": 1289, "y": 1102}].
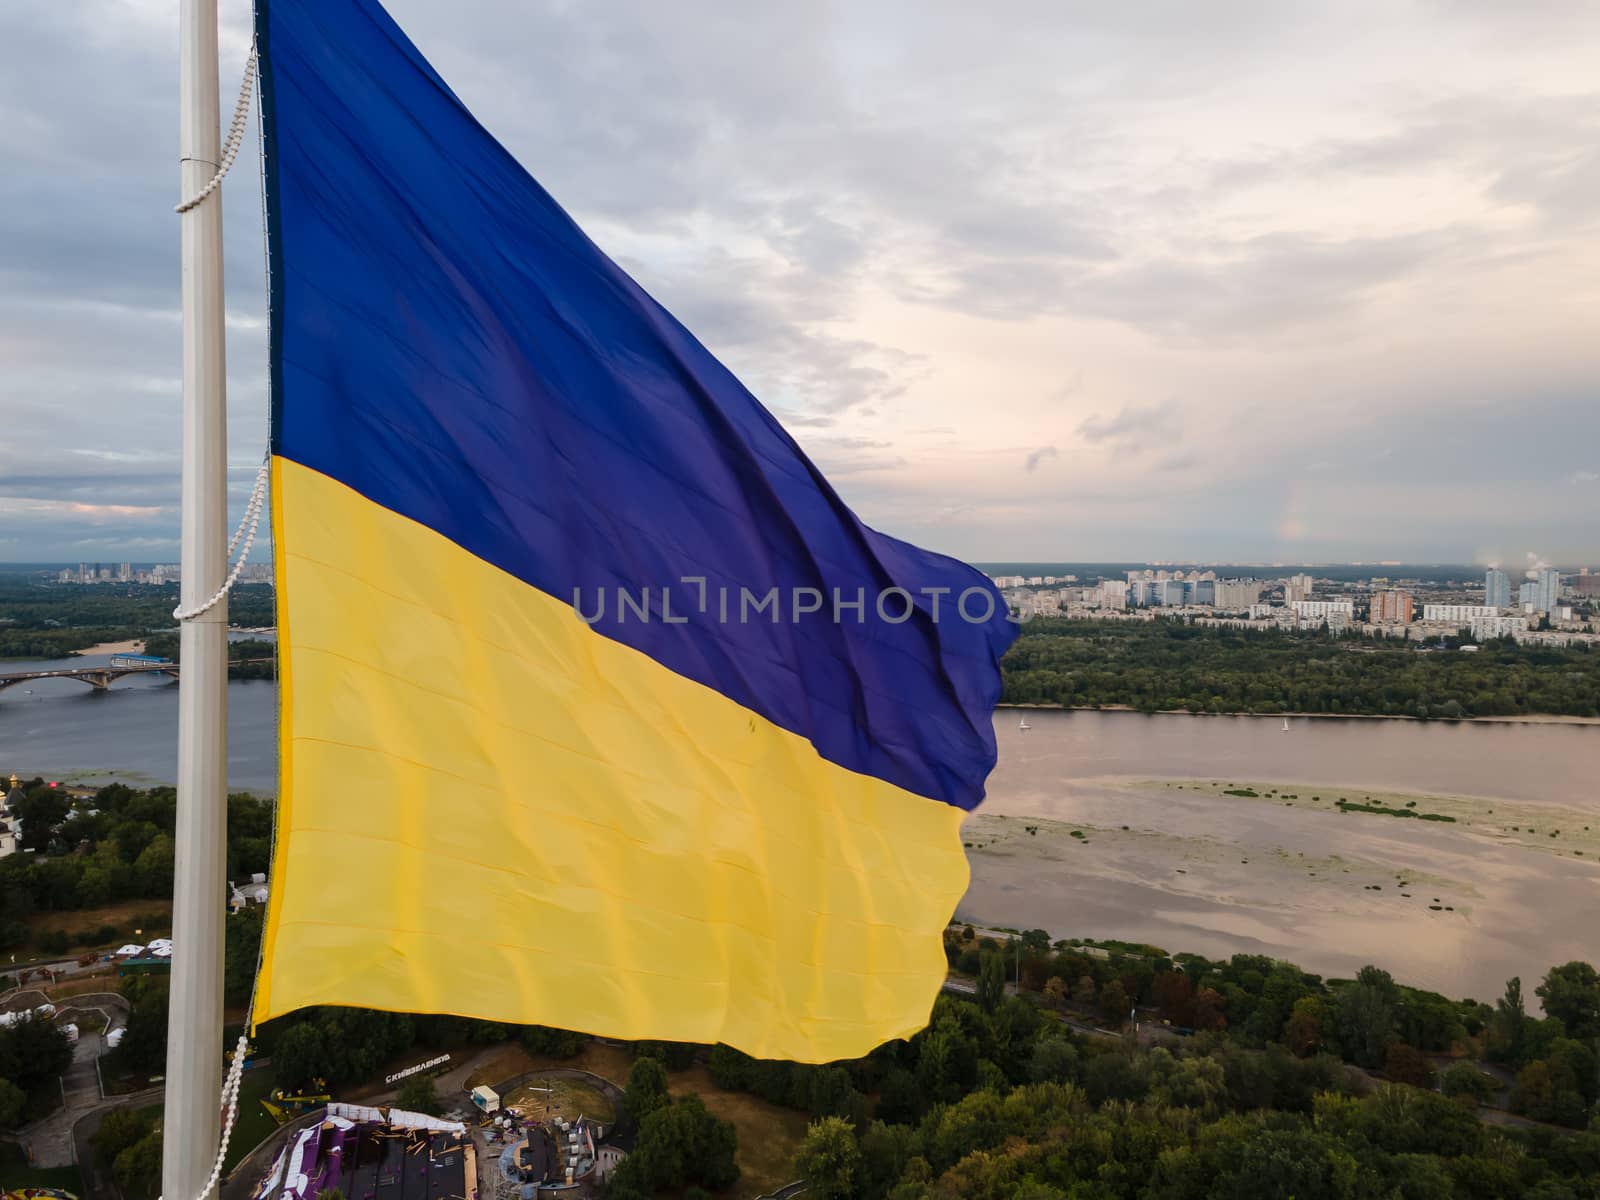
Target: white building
[
  {"x": 1322, "y": 610},
  {"x": 1493, "y": 627},
  {"x": 1296, "y": 587},
  {"x": 1461, "y": 613},
  {"x": 1237, "y": 593},
  {"x": 1113, "y": 594},
  {"x": 10, "y": 827}
]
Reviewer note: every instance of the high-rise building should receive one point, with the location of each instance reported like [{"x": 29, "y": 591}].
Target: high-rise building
[
  {"x": 1237, "y": 593},
  {"x": 1113, "y": 594},
  {"x": 1391, "y": 607},
  {"x": 1496, "y": 588},
  {"x": 1547, "y": 589},
  {"x": 1527, "y": 596},
  {"x": 1296, "y": 587}
]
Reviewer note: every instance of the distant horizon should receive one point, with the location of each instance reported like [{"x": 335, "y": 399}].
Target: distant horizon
[{"x": 1008, "y": 566}]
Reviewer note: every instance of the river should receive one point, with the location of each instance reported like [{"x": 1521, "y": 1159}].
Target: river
[
  {"x": 64, "y": 729},
  {"x": 1194, "y": 869}
]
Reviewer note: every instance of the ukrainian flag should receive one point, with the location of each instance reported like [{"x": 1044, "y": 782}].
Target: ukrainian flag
[{"x": 598, "y": 708}]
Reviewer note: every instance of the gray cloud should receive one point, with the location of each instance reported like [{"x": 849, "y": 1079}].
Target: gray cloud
[
  {"x": 1134, "y": 428},
  {"x": 1035, "y": 457}
]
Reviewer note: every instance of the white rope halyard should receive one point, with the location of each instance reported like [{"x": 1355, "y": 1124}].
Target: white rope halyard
[
  {"x": 247, "y": 530},
  {"x": 230, "y": 148}
]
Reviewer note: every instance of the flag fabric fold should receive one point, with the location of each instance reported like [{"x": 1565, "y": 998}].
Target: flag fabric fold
[{"x": 598, "y": 707}]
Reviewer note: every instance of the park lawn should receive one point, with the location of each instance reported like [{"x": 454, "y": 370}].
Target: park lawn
[
  {"x": 154, "y": 917},
  {"x": 769, "y": 1136},
  {"x": 608, "y": 1062},
  {"x": 254, "y": 1123},
  {"x": 15, "y": 1173}
]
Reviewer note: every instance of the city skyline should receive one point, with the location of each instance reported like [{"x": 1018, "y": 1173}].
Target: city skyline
[{"x": 1317, "y": 292}]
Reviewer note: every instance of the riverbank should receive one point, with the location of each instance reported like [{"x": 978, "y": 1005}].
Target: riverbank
[
  {"x": 1453, "y": 856},
  {"x": 130, "y": 646},
  {"x": 1525, "y": 719}
]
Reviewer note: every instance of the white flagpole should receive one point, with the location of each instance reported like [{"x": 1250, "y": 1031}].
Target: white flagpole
[{"x": 194, "y": 1028}]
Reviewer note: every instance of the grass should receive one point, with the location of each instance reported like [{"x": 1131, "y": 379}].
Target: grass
[
  {"x": 67, "y": 1179},
  {"x": 154, "y": 917},
  {"x": 565, "y": 1098},
  {"x": 1352, "y": 806},
  {"x": 253, "y": 1123},
  {"x": 769, "y": 1137}
]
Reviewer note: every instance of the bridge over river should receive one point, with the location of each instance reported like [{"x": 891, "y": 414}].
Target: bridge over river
[{"x": 101, "y": 678}]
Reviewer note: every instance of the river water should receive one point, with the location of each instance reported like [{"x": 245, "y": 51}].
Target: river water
[
  {"x": 63, "y": 729},
  {"x": 1194, "y": 870}
]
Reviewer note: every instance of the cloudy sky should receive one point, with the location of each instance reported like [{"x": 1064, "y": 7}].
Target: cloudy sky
[{"x": 1248, "y": 280}]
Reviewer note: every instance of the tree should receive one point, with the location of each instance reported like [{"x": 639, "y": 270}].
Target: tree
[
  {"x": 1508, "y": 1026},
  {"x": 991, "y": 981},
  {"x": 830, "y": 1159},
  {"x": 1406, "y": 1064},
  {"x": 1535, "y": 1092},
  {"x": 418, "y": 1094},
  {"x": 1571, "y": 994},
  {"x": 137, "y": 1169},
  {"x": 831, "y": 1093},
  {"x": 119, "y": 1129},
  {"x": 152, "y": 870},
  {"x": 1114, "y": 1002},
  {"x": 679, "y": 1144},
  {"x": 300, "y": 1056},
  {"x": 13, "y": 1100},
  {"x": 1054, "y": 1060},
  {"x": 1208, "y": 1010},
  {"x": 556, "y": 1043},
  {"x": 1084, "y": 991},
  {"x": 1302, "y": 1033},
  {"x": 1363, "y": 1014},
  {"x": 41, "y": 810},
  {"x": 33, "y": 1053},
  {"x": 241, "y": 953},
  {"x": 1463, "y": 1081},
  {"x": 647, "y": 1088}
]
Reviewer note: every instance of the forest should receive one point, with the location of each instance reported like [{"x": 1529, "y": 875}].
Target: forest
[
  {"x": 116, "y": 847},
  {"x": 51, "y": 620},
  {"x": 1163, "y": 666}
]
